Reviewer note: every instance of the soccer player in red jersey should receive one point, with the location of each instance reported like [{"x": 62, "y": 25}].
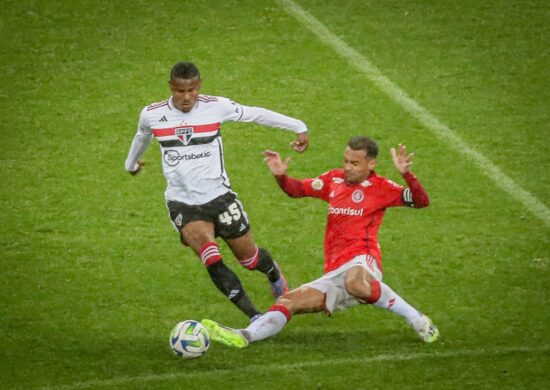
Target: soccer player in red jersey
[{"x": 358, "y": 199}]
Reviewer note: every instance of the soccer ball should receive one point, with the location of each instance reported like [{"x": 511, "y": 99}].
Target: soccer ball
[{"x": 189, "y": 339}]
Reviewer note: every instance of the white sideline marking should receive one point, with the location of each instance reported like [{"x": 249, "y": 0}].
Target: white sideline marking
[
  {"x": 387, "y": 86},
  {"x": 259, "y": 368}
]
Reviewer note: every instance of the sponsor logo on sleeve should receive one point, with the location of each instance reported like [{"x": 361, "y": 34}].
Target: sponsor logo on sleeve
[
  {"x": 317, "y": 184},
  {"x": 236, "y": 107}
]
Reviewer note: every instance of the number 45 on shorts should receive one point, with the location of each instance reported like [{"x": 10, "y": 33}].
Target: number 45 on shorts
[{"x": 233, "y": 213}]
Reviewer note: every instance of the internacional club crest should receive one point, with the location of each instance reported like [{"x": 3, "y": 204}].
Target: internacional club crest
[
  {"x": 357, "y": 196},
  {"x": 184, "y": 134}
]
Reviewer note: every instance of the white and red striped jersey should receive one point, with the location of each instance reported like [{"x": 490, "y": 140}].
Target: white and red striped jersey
[{"x": 191, "y": 144}]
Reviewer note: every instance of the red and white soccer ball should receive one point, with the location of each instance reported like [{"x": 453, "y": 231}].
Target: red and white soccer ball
[{"x": 189, "y": 339}]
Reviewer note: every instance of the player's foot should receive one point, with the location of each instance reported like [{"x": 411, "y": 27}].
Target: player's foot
[
  {"x": 279, "y": 287},
  {"x": 223, "y": 334},
  {"x": 426, "y": 329}
]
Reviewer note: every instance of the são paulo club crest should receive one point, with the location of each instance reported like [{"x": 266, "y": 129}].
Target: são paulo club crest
[
  {"x": 357, "y": 196},
  {"x": 184, "y": 134}
]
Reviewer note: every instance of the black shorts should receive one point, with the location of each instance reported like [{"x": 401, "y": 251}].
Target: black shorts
[{"x": 225, "y": 212}]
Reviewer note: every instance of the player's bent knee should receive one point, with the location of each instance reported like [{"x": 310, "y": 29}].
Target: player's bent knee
[{"x": 358, "y": 289}]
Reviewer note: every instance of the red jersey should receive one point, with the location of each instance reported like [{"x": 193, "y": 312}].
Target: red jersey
[{"x": 355, "y": 211}]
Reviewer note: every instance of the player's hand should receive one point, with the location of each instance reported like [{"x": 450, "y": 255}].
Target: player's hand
[
  {"x": 277, "y": 166},
  {"x": 401, "y": 159},
  {"x": 141, "y": 163},
  {"x": 301, "y": 143}
]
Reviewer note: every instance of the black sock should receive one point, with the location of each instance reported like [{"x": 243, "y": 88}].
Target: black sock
[
  {"x": 229, "y": 284},
  {"x": 267, "y": 266}
]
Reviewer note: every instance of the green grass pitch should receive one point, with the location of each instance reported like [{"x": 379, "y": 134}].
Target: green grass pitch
[{"x": 92, "y": 277}]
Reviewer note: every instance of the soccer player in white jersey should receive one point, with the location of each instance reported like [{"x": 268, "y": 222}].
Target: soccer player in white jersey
[
  {"x": 198, "y": 194},
  {"x": 358, "y": 199}
]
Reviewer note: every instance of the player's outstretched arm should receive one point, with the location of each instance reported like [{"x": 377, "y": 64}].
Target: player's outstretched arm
[
  {"x": 133, "y": 163},
  {"x": 276, "y": 165},
  {"x": 270, "y": 118}
]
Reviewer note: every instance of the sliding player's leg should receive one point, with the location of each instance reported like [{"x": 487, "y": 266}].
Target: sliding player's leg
[
  {"x": 363, "y": 282},
  {"x": 269, "y": 324}
]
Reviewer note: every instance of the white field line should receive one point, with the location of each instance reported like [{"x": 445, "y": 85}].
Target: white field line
[
  {"x": 258, "y": 369},
  {"x": 387, "y": 86}
]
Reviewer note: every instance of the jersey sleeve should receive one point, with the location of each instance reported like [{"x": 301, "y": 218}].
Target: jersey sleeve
[
  {"x": 415, "y": 196},
  {"x": 230, "y": 110},
  {"x": 390, "y": 193},
  {"x": 141, "y": 141},
  {"x": 318, "y": 187},
  {"x": 394, "y": 195},
  {"x": 270, "y": 118}
]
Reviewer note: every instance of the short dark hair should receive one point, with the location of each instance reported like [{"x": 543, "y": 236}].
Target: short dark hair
[
  {"x": 367, "y": 144},
  {"x": 185, "y": 70}
]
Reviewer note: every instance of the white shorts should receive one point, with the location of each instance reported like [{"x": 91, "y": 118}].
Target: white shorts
[{"x": 333, "y": 283}]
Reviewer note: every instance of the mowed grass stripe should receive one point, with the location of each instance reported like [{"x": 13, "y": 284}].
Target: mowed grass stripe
[
  {"x": 441, "y": 130},
  {"x": 259, "y": 368}
]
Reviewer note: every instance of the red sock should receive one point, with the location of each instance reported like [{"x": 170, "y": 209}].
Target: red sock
[
  {"x": 251, "y": 263},
  {"x": 210, "y": 253},
  {"x": 375, "y": 291},
  {"x": 282, "y": 309}
]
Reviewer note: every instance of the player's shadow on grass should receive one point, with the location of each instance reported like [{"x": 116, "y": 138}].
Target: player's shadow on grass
[{"x": 325, "y": 340}]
